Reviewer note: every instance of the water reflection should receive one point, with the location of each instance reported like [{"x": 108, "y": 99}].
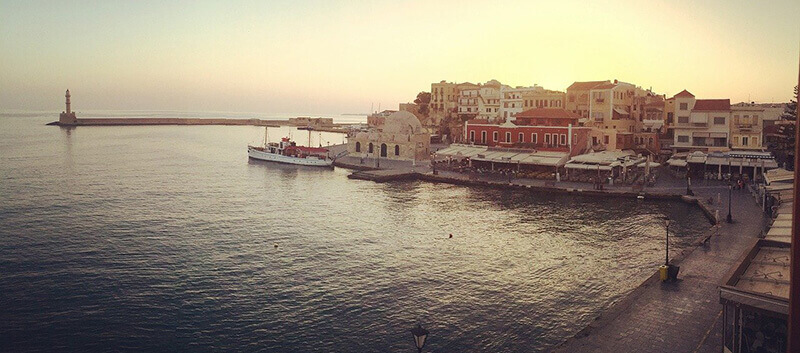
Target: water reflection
[{"x": 172, "y": 231}]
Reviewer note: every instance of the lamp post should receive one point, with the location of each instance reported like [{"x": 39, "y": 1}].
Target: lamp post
[
  {"x": 730, "y": 192},
  {"x": 420, "y": 334},
  {"x": 666, "y": 258},
  {"x": 688, "y": 183}
]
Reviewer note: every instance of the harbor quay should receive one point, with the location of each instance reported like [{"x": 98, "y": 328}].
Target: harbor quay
[{"x": 680, "y": 316}]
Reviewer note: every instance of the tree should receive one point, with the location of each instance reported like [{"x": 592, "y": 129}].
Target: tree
[
  {"x": 790, "y": 113},
  {"x": 781, "y": 137},
  {"x": 422, "y": 101}
]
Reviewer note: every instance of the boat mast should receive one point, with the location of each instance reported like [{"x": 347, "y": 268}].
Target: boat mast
[
  {"x": 309, "y": 138},
  {"x": 266, "y": 137}
]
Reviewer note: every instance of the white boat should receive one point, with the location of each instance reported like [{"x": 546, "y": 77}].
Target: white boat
[{"x": 289, "y": 152}]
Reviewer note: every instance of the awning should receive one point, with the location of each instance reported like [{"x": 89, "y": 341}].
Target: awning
[
  {"x": 652, "y": 165},
  {"x": 587, "y": 166},
  {"x": 460, "y": 151},
  {"x": 681, "y": 163},
  {"x": 621, "y": 111}
]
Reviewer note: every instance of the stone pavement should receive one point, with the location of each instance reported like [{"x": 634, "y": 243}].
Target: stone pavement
[{"x": 684, "y": 316}]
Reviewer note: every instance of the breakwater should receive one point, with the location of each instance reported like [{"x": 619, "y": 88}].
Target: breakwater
[
  {"x": 336, "y": 128},
  {"x": 168, "y": 121}
]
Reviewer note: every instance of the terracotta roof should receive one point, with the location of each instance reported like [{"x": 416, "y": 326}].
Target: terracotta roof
[
  {"x": 605, "y": 86},
  {"x": 683, "y": 94},
  {"x": 585, "y": 86},
  {"x": 556, "y": 113},
  {"x": 712, "y": 104}
]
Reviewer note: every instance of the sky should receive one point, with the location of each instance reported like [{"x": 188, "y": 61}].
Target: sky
[{"x": 332, "y": 57}]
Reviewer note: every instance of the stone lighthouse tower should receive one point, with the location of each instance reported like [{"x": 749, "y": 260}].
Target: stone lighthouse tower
[{"x": 67, "y": 117}]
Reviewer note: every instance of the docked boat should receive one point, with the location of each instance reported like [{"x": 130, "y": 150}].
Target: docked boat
[{"x": 288, "y": 152}]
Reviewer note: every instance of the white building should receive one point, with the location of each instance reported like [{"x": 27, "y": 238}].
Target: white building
[{"x": 701, "y": 124}]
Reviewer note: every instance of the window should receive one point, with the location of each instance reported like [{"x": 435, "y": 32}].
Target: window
[
  {"x": 744, "y": 140},
  {"x": 370, "y": 148},
  {"x": 534, "y": 138},
  {"x": 494, "y": 136},
  {"x": 571, "y": 98},
  {"x": 396, "y": 150},
  {"x": 683, "y": 139},
  {"x": 605, "y": 139},
  {"x": 358, "y": 146},
  {"x": 670, "y": 118},
  {"x": 472, "y": 136},
  {"x": 521, "y": 138},
  {"x": 546, "y": 139},
  {"x": 508, "y": 137},
  {"x": 684, "y": 106},
  {"x": 683, "y": 120},
  {"x": 483, "y": 136},
  {"x": 755, "y": 141},
  {"x": 719, "y": 120},
  {"x": 563, "y": 139}
]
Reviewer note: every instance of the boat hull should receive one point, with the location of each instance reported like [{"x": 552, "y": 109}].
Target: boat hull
[{"x": 272, "y": 157}]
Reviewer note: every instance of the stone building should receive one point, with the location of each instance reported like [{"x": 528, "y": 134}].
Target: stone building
[{"x": 401, "y": 137}]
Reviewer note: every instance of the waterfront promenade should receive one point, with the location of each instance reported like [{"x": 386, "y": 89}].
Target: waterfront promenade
[{"x": 683, "y": 316}]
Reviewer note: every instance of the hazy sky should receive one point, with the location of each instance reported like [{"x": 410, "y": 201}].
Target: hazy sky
[{"x": 336, "y": 56}]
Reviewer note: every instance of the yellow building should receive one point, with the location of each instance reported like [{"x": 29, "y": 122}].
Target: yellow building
[
  {"x": 578, "y": 97},
  {"x": 747, "y": 127}
]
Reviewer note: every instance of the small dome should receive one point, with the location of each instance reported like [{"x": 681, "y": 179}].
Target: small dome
[{"x": 402, "y": 122}]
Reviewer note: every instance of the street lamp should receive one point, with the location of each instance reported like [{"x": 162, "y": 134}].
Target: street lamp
[
  {"x": 730, "y": 189},
  {"x": 688, "y": 183},
  {"x": 666, "y": 258},
  {"x": 420, "y": 334}
]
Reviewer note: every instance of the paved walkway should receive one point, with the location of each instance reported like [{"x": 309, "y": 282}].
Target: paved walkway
[{"x": 684, "y": 316}]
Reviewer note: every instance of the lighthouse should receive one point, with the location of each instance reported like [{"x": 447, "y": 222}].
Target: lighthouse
[
  {"x": 68, "y": 110},
  {"x": 67, "y": 117}
]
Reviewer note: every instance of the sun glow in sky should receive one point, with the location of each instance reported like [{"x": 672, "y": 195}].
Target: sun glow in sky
[{"x": 331, "y": 57}]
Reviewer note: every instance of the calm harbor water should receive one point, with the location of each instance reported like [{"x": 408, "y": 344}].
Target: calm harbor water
[{"x": 163, "y": 239}]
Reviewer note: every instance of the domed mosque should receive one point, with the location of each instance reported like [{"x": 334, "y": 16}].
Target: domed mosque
[{"x": 401, "y": 137}]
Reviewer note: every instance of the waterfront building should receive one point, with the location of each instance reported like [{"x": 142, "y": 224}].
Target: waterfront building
[
  {"x": 739, "y": 164},
  {"x": 400, "y": 137},
  {"x": 468, "y": 94},
  {"x": 610, "y": 110},
  {"x": 67, "y": 117},
  {"x": 489, "y": 101},
  {"x": 578, "y": 97},
  {"x": 444, "y": 97},
  {"x": 542, "y": 98},
  {"x": 746, "y": 127},
  {"x": 701, "y": 124},
  {"x": 547, "y": 129}
]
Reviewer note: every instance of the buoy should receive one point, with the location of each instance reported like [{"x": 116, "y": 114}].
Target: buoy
[
  {"x": 640, "y": 197},
  {"x": 276, "y": 246},
  {"x": 451, "y": 235}
]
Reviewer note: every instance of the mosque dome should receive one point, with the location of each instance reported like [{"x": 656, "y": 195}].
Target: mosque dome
[{"x": 402, "y": 122}]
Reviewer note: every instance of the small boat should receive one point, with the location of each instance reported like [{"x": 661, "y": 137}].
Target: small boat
[{"x": 287, "y": 151}]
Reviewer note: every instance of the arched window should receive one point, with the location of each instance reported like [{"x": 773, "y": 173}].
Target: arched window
[
  {"x": 370, "y": 147},
  {"x": 358, "y": 146},
  {"x": 383, "y": 150},
  {"x": 397, "y": 150}
]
